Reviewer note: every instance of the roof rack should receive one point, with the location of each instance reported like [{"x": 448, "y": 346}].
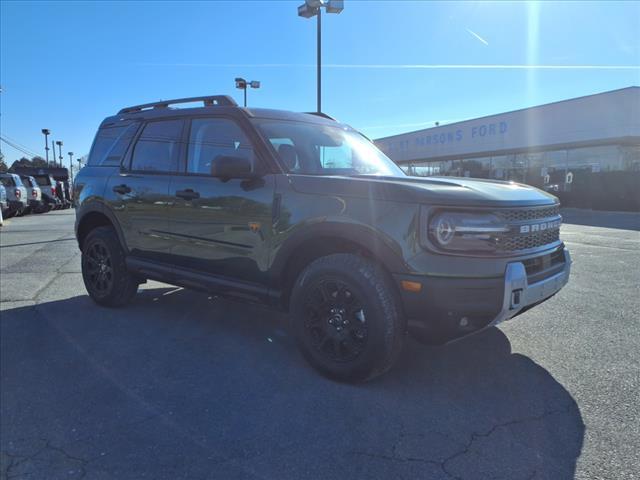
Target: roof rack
[
  {"x": 322, "y": 114},
  {"x": 208, "y": 101}
]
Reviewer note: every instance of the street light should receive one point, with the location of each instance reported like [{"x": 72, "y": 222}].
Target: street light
[
  {"x": 242, "y": 84},
  {"x": 59, "y": 143},
  {"x": 312, "y": 8},
  {"x": 46, "y": 132}
]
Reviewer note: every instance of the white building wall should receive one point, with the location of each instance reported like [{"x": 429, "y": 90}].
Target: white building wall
[{"x": 600, "y": 117}]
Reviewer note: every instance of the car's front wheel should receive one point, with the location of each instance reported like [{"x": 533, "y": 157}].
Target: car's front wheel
[
  {"x": 104, "y": 272},
  {"x": 346, "y": 318}
]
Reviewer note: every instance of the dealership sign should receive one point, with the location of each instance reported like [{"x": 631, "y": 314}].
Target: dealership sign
[{"x": 451, "y": 136}]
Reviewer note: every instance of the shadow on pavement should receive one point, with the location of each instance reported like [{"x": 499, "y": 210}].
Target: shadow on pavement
[
  {"x": 595, "y": 218},
  {"x": 179, "y": 385}
]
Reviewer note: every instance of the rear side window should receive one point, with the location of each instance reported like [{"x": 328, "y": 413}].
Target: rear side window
[
  {"x": 7, "y": 181},
  {"x": 110, "y": 145},
  {"x": 43, "y": 180},
  {"x": 26, "y": 182},
  {"x": 158, "y": 147}
]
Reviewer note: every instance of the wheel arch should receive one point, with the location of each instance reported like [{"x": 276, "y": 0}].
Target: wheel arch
[
  {"x": 307, "y": 245},
  {"x": 96, "y": 215}
]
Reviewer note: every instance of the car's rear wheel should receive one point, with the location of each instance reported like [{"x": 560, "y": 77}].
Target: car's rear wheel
[
  {"x": 346, "y": 318},
  {"x": 104, "y": 271}
]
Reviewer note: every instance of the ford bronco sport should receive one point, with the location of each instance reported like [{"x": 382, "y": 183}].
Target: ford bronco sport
[{"x": 303, "y": 213}]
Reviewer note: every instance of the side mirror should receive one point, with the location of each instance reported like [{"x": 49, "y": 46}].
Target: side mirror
[{"x": 227, "y": 167}]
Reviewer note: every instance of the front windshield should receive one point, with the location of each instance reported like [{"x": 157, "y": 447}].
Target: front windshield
[{"x": 316, "y": 149}]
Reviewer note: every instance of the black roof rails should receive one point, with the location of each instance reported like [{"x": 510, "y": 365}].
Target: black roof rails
[
  {"x": 207, "y": 101},
  {"x": 323, "y": 115}
]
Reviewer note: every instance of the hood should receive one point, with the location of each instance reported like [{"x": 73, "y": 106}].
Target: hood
[{"x": 431, "y": 190}]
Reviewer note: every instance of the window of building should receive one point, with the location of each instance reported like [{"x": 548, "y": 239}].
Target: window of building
[{"x": 158, "y": 147}]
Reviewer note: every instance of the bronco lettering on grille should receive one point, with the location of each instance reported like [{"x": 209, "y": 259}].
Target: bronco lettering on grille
[{"x": 540, "y": 227}]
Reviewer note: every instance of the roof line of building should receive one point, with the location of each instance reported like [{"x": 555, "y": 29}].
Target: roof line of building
[{"x": 632, "y": 87}]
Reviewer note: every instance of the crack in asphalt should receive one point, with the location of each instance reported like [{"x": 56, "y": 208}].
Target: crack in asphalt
[
  {"x": 443, "y": 464},
  {"x": 16, "y": 460}
]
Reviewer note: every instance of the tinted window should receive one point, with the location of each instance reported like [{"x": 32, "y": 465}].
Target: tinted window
[
  {"x": 111, "y": 144},
  {"x": 7, "y": 181},
  {"x": 158, "y": 147},
  {"x": 212, "y": 139},
  {"x": 43, "y": 180}
]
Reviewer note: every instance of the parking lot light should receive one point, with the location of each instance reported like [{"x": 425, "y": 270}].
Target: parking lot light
[
  {"x": 242, "y": 84},
  {"x": 46, "y": 132},
  {"x": 59, "y": 143},
  {"x": 313, "y": 8}
]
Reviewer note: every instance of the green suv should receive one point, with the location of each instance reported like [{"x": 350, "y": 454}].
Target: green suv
[{"x": 305, "y": 214}]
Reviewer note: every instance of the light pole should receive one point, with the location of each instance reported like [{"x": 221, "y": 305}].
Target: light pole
[
  {"x": 46, "y": 132},
  {"x": 242, "y": 84},
  {"x": 59, "y": 143},
  {"x": 71, "y": 165},
  {"x": 312, "y": 8}
]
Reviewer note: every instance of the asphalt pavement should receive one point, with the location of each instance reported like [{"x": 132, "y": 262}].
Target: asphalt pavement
[{"x": 185, "y": 385}]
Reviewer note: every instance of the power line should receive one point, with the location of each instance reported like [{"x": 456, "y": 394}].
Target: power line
[
  {"x": 19, "y": 148},
  {"x": 7, "y": 137}
]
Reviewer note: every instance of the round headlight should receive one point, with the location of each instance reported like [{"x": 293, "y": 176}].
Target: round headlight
[{"x": 445, "y": 229}]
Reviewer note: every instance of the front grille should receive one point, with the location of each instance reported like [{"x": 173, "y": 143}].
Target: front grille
[
  {"x": 528, "y": 241},
  {"x": 524, "y": 214}
]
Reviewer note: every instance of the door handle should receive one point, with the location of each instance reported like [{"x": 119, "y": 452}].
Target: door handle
[
  {"x": 122, "y": 189},
  {"x": 187, "y": 194}
]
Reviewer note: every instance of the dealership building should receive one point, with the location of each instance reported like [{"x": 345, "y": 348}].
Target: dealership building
[{"x": 586, "y": 150}]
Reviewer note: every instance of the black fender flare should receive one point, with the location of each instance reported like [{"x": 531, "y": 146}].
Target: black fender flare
[
  {"x": 96, "y": 206},
  {"x": 384, "y": 249}
]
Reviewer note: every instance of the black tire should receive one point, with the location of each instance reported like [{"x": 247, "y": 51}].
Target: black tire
[
  {"x": 358, "y": 333},
  {"x": 104, "y": 271},
  {"x": 10, "y": 214}
]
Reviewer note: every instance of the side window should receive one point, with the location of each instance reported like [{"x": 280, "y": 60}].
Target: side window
[
  {"x": 110, "y": 145},
  {"x": 158, "y": 147},
  {"x": 212, "y": 140},
  {"x": 7, "y": 181},
  {"x": 335, "y": 157}
]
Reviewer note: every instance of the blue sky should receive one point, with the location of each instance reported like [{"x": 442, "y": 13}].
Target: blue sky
[{"x": 390, "y": 66}]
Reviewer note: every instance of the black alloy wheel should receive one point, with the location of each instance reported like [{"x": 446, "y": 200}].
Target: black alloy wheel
[
  {"x": 336, "y": 322},
  {"x": 104, "y": 269},
  {"x": 99, "y": 269},
  {"x": 346, "y": 317}
]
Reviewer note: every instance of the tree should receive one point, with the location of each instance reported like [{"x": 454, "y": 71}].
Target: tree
[
  {"x": 23, "y": 162},
  {"x": 38, "y": 161},
  {"x": 3, "y": 165}
]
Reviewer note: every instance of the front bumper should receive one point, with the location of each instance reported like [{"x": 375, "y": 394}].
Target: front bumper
[
  {"x": 16, "y": 205},
  {"x": 519, "y": 295},
  {"x": 450, "y": 308}
]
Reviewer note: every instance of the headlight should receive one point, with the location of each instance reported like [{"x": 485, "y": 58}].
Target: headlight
[{"x": 461, "y": 231}]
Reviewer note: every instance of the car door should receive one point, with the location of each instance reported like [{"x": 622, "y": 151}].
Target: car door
[
  {"x": 139, "y": 192},
  {"x": 221, "y": 226}
]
